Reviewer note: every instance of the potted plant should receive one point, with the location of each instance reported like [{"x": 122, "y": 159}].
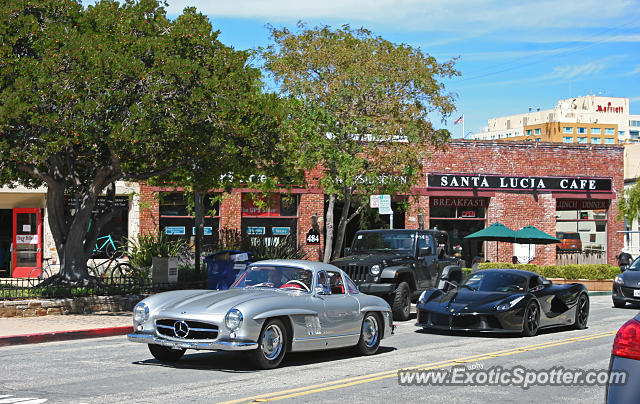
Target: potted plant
[{"x": 156, "y": 255}]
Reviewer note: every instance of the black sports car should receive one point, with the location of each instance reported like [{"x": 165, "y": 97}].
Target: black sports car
[
  {"x": 504, "y": 300},
  {"x": 626, "y": 286}
]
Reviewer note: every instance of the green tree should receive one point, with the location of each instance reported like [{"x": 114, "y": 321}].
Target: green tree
[
  {"x": 90, "y": 96},
  {"x": 363, "y": 113},
  {"x": 629, "y": 206}
]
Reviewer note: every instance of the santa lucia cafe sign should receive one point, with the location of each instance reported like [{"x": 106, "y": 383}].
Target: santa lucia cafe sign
[{"x": 514, "y": 183}]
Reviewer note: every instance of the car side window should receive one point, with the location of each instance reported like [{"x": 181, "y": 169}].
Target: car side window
[
  {"x": 534, "y": 282},
  {"x": 351, "y": 287},
  {"x": 335, "y": 283},
  {"x": 322, "y": 279}
]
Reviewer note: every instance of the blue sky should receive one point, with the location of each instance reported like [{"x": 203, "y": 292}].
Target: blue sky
[{"x": 512, "y": 55}]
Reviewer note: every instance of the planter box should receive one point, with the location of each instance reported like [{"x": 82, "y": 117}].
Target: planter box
[
  {"x": 593, "y": 285},
  {"x": 164, "y": 270}
]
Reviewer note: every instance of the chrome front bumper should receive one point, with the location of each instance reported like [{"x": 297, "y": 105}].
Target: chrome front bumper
[{"x": 209, "y": 345}]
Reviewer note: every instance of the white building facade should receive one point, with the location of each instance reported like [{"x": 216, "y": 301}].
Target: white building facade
[{"x": 587, "y": 110}]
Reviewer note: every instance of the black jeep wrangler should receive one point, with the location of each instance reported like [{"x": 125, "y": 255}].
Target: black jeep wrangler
[{"x": 398, "y": 265}]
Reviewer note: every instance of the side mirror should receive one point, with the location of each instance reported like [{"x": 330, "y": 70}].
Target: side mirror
[
  {"x": 424, "y": 251},
  {"x": 347, "y": 251},
  {"x": 321, "y": 290},
  {"x": 546, "y": 282}
]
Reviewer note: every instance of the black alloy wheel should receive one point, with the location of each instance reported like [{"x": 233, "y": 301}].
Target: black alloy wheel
[
  {"x": 582, "y": 312},
  {"x": 531, "y": 320}
]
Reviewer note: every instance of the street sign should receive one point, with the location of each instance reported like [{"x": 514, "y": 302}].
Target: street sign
[
  {"x": 385, "y": 205},
  {"x": 374, "y": 201}
]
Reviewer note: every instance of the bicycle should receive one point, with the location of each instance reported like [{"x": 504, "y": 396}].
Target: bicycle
[
  {"x": 126, "y": 274},
  {"x": 38, "y": 274},
  {"x": 110, "y": 247},
  {"x": 102, "y": 270}
]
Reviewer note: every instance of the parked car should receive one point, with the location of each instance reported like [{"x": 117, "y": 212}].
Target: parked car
[
  {"x": 568, "y": 241},
  {"x": 275, "y": 306},
  {"x": 503, "y": 300},
  {"x": 626, "y": 286},
  {"x": 625, "y": 358},
  {"x": 397, "y": 265}
]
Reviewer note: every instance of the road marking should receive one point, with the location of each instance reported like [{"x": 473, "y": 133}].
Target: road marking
[{"x": 352, "y": 381}]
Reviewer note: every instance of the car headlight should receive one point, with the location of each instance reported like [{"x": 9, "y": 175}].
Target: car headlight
[
  {"x": 421, "y": 298},
  {"x": 140, "y": 313},
  {"x": 509, "y": 304},
  {"x": 619, "y": 280},
  {"x": 233, "y": 319},
  {"x": 375, "y": 270}
]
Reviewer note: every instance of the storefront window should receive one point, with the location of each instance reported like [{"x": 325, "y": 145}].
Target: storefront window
[
  {"x": 459, "y": 217},
  {"x": 177, "y": 217},
  {"x": 272, "y": 218},
  {"x": 583, "y": 218}
]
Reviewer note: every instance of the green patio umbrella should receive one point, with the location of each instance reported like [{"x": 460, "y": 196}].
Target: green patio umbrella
[
  {"x": 495, "y": 232},
  {"x": 533, "y": 235}
]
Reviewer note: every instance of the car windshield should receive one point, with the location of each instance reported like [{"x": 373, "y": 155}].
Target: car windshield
[
  {"x": 496, "y": 281},
  {"x": 387, "y": 241},
  {"x": 275, "y": 277},
  {"x": 635, "y": 265}
]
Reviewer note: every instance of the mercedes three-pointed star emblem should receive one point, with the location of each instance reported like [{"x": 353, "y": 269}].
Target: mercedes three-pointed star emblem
[{"x": 180, "y": 329}]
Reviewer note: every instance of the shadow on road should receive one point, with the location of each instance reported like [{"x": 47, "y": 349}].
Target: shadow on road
[{"x": 239, "y": 362}]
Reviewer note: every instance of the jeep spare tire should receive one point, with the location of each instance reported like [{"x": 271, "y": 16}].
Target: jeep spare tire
[{"x": 401, "y": 305}]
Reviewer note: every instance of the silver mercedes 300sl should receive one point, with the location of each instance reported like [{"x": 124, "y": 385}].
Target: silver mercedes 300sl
[{"x": 274, "y": 307}]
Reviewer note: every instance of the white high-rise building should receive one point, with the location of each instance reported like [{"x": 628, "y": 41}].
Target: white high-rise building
[{"x": 588, "y": 119}]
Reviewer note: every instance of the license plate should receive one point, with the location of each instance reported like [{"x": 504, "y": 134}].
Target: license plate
[{"x": 636, "y": 293}]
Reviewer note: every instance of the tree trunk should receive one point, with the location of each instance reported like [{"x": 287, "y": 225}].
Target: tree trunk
[
  {"x": 342, "y": 225},
  {"x": 328, "y": 242},
  {"x": 199, "y": 212},
  {"x": 69, "y": 233}
]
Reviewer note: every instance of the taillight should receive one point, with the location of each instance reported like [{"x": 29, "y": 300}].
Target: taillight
[{"x": 627, "y": 342}]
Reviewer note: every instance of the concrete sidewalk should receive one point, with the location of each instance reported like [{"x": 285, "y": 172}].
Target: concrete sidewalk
[{"x": 28, "y": 330}]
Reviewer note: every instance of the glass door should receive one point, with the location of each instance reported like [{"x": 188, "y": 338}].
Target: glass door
[{"x": 27, "y": 251}]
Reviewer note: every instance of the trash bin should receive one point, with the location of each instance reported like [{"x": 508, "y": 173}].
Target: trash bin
[{"x": 224, "y": 266}]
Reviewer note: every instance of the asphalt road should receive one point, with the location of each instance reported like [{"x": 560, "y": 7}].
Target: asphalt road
[{"x": 114, "y": 370}]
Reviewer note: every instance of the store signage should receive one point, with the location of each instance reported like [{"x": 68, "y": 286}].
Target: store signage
[
  {"x": 609, "y": 108},
  {"x": 313, "y": 236},
  {"x": 208, "y": 231},
  {"x": 275, "y": 206},
  {"x": 120, "y": 202},
  {"x": 280, "y": 231},
  {"x": 498, "y": 182},
  {"x": 458, "y": 202},
  {"x": 26, "y": 239},
  {"x": 175, "y": 230},
  {"x": 468, "y": 213},
  {"x": 256, "y": 231},
  {"x": 582, "y": 204}
]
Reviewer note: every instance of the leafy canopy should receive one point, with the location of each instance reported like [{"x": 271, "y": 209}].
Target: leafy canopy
[{"x": 363, "y": 104}]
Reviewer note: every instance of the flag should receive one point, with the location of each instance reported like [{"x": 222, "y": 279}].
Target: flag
[{"x": 457, "y": 121}]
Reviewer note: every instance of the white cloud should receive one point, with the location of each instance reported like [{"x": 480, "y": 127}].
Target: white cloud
[
  {"x": 426, "y": 15},
  {"x": 573, "y": 72},
  {"x": 633, "y": 72}
]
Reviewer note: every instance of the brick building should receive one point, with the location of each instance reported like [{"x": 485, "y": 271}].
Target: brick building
[{"x": 470, "y": 185}]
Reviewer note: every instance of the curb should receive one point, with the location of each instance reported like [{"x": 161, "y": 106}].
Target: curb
[
  {"x": 63, "y": 335},
  {"x": 600, "y": 293}
]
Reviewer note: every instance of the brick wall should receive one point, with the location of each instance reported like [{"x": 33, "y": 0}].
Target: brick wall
[
  {"x": 149, "y": 214},
  {"x": 514, "y": 210}
]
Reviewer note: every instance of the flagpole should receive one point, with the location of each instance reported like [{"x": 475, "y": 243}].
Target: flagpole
[{"x": 463, "y": 126}]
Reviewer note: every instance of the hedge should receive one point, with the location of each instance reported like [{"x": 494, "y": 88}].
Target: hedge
[{"x": 573, "y": 271}]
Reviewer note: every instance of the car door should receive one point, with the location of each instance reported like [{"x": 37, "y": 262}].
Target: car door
[
  {"x": 426, "y": 267},
  {"x": 340, "y": 310},
  {"x": 553, "y": 308}
]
